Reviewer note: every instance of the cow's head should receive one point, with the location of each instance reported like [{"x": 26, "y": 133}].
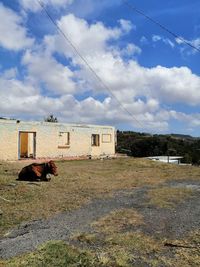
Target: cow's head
[{"x": 52, "y": 168}]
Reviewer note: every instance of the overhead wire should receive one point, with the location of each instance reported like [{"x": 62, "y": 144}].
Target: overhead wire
[
  {"x": 127, "y": 3},
  {"x": 87, "y": 64}
]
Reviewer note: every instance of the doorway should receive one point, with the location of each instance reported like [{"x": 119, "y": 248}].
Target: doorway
[{"x": 27, "y": 145}]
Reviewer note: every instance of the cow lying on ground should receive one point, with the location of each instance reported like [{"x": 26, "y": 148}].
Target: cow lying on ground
[{"x": 38, "y": 172}]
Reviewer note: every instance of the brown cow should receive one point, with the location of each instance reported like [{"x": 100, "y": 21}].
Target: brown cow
[{"x": 38, "y": 171}]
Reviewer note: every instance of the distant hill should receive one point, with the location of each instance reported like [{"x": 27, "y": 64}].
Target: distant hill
[
  {"x": 183, "y": 136},
  {"x": 145, "y": 145}
]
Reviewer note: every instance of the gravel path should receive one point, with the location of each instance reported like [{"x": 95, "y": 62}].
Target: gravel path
[
  {"x": 158, "y": 222},
  {"x": 60, "y": 227}
]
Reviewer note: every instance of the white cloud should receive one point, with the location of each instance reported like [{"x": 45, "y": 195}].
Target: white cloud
[
  {"x": 193, "y": 120},
  {"x": 44, "y": 69},
  {"x": 142, "y": 91},
  {"x": 89, "y": 40},
  {"x": 15, "y": 95},
  {"x": 15, "y": 88},
  {"x": 173, "y": 85},
  {"x": 126, "y": 80},
  {"x": 34, "y": 6},
  {"x": 20, "y": 98},
  {"x": 187, "y": 49},
  {"x": 23, "y": 99},
  {"x": 144, "y": 40},
  {"x": 13, "y": 35},
  {"x": 10, "y": 73},
  {"x": 130, "y": 49},
  {"x": 167, "y": 41},
  {"x": 126, "y": 25},
  {"x": 156, "y": 38}
]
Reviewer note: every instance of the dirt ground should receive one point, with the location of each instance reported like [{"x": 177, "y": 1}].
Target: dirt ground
[{"x": 154, "y": 223}]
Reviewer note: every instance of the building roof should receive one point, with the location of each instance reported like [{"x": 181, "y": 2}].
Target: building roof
[{"x": 55, "y": 124}]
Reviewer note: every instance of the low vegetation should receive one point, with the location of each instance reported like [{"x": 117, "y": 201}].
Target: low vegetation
[
  {"x": 54, "y": 254},
  {"x": 118, "y": 239},
  {"x": 78, "y": 182},
  {"x": 129, "y": 249}
]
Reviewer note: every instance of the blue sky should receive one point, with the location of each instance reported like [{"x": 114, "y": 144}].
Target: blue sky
[{"x": 147, "y": 80}]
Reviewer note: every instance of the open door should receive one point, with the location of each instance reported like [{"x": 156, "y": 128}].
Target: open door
[{"x": 27, "y": 145}]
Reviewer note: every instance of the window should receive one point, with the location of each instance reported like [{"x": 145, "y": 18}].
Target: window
[
  {"x": 106, "y": 138},
  {"x": 95, "y": 139},
  {"x": 64, "y": 139}
]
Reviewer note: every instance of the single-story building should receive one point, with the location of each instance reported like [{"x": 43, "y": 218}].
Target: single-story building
[{"x": 20, "y": 140}]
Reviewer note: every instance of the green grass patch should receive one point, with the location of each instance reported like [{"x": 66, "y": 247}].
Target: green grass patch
[
  {"x": 54, "y": 254},
  {"x": 124, "y": 250}
]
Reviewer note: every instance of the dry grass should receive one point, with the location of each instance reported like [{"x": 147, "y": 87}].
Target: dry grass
[
  {"x": 78, "y": 182},
  {"x": 187, "y": 251},
  {"x": 121, "y": 242},
  {"x": 127, "y": 249},
  {"x": 189, "y": 256},
  {"x": 118, "y": 221},
  {"x": 122, "y": 246},
  {"x": 139, "y": 247},
  {"x": 168, "y": 197}
]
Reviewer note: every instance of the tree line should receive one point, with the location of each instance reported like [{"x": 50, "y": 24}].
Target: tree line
[{"x": 146, "y": 145}]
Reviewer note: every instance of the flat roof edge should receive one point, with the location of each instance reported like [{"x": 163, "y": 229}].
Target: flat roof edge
[{"x": 8, "y": 121}]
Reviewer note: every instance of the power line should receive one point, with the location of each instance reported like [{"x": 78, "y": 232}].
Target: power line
[
  {"x": 160, "y": 25},
  {"x": 86, "y": 63}
]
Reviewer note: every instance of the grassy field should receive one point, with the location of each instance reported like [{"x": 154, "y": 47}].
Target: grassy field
[{"x": 78, "y": 183}]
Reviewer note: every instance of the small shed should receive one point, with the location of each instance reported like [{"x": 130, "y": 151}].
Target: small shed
[
  {"x": 22, "y": 139},
  {"x": 167, "y": 159}
]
